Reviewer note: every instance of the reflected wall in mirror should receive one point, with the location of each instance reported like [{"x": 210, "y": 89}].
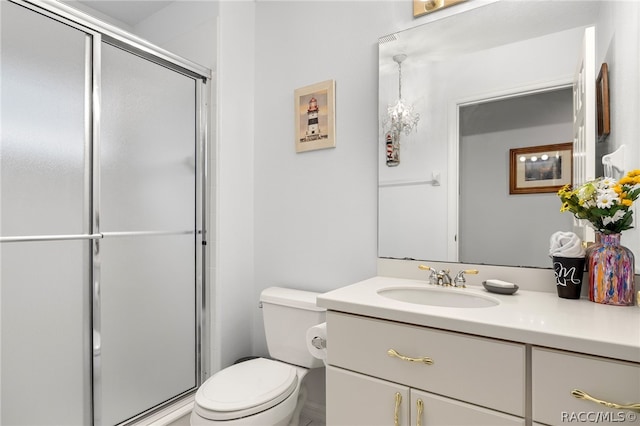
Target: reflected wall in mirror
[{"x": 484, "y": 81}]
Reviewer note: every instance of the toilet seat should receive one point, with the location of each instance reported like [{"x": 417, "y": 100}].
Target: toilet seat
[{"x": 245, "y": 389}]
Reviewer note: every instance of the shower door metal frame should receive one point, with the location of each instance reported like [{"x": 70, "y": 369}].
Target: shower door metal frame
[{"x": 99, "y": 32}]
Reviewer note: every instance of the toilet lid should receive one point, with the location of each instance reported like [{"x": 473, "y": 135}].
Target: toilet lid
[{"x": 245, "y": 389}]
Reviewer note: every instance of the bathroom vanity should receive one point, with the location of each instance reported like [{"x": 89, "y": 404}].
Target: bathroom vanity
[{"x": 517, "y": 360}]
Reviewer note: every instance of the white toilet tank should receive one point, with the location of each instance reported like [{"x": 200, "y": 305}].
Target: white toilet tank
[{"x": 287, "y": 314}]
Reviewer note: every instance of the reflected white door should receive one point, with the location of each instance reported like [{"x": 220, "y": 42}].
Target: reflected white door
[{"x": 584, "y": 123}]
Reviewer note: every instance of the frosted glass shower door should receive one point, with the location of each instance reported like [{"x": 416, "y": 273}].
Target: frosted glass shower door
[
  {"x": 44, "y": 250},
  {"x": 43, "y": 150},
  {"x": 147, "y": 312}
]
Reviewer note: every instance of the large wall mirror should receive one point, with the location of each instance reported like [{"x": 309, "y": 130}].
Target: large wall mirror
[{"x": 484, "y": 81}]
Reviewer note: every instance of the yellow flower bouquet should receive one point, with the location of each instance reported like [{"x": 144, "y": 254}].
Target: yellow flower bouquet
[{"x": 604, "y": 202}]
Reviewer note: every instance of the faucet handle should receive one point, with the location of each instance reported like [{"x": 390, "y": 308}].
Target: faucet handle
[
  {"x": 433, "y": 276},
  {"x": 459, "y": 280}
]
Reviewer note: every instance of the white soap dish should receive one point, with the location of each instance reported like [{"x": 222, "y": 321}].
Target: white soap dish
[{"x": 493, "y": 286}]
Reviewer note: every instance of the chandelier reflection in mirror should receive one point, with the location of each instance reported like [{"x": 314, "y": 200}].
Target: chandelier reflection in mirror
[{"x": 400, "y": 119}]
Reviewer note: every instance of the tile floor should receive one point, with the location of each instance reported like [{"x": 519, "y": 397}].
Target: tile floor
[{"x": 308, "y": 422}]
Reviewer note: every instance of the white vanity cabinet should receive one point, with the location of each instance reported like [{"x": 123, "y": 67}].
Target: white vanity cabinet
[
  {"x": 457, "y": 377},
  {"x": 517, "y": 362},
  {"x": 555, "y": 374},
  {"x": 359, "y": 400}
]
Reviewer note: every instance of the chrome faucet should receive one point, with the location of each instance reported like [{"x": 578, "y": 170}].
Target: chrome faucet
[
  {"x": 459, "y": 280},
  {"x": 444, "y": 279}
]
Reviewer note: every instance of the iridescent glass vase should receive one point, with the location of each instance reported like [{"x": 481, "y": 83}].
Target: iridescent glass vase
[{"x": 611, "y": 271}]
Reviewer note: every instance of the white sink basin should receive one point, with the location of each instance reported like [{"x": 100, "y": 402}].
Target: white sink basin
[{"x": 448, "y": 297}]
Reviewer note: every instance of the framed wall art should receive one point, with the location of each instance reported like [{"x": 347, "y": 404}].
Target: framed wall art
[
  {"x": 315, "y": 116},
  {"x": 544, "y": 168},
  {"x": 602, "y": 102}
]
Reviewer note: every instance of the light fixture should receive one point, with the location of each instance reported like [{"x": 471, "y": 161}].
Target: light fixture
[
  {"x": 403, "y": 119},
  {"x": 534, "y": 158},
  {"x": 400, "y": 119}
]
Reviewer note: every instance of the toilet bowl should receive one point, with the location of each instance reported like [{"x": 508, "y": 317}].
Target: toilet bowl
[{"x": 264, "y": 391}]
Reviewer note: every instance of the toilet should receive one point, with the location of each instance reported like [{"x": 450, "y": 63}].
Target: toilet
[{"x": 266, "y": 391}]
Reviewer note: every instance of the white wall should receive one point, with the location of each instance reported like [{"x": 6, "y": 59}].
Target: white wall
[
  {"x": 617, "y": 45},
  {"x": 316, "y": 212},
  {"x": 235, "y": 210},
  {"x": 186, "y": 28}
]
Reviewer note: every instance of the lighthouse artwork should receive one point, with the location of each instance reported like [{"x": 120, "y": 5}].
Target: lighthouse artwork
[
  {"x": 315, "y": 120},
  {"x": 313, "y": 131}
]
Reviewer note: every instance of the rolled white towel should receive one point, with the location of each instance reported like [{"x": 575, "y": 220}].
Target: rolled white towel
[{"x": 566, "y": 244}]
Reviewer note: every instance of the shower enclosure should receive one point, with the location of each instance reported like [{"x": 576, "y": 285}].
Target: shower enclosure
[{"x": 102, "y": 220}]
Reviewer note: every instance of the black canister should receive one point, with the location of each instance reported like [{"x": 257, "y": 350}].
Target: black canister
[{"x": 569, "y": 272}]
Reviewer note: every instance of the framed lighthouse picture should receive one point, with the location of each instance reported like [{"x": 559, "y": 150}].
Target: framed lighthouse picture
[{"x": 315, "y": 116}]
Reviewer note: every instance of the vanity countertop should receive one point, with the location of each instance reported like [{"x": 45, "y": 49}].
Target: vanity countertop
[{"x": 537, "y": 318}]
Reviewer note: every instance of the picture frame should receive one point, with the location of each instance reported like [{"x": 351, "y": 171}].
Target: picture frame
[
  {"x": 422, "y": 7},
  {"x": 540, "y": 169},
  {"x": 314, "y": 107},
  {"x": 602, "y": 102}
]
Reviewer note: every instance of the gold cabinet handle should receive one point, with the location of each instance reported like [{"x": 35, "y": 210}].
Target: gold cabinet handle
[
  {"x": 583, "y": 395},
  {"x": 396, "y": 411},
  {"x": 419, "y": 409},
  {"x": 395, "y": 354}
]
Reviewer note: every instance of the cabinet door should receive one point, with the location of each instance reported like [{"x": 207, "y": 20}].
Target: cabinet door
[
  {"x": 557, "y": 374},
  {"x": 429, "y": 409},
  {"x": 354, "y": 399}
]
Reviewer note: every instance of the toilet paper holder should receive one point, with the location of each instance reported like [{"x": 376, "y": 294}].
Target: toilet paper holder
[{"x": 319, "y": 343}]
